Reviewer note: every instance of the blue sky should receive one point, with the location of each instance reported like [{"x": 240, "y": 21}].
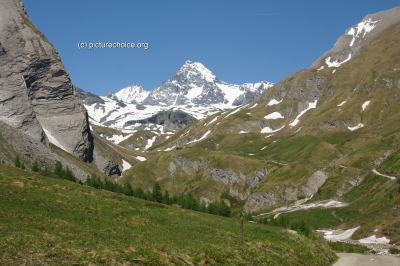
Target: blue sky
[{"x": 239, "y": 41}]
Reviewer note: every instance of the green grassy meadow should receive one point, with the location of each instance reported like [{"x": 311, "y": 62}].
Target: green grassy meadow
[{"x": 56, "y": 222}]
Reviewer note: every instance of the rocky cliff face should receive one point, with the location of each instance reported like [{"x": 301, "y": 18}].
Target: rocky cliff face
[
  {"x": 36, "y": 93},
  {"x": 170, "y": 120}
]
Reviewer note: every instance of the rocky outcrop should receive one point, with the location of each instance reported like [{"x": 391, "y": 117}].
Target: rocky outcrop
[
  {"x": 36, "y": 93},
  {"x": 188, "y": 167},
  {"x": 261, "y": 200},
  {"x": 314, "y": 182},
  {"x": 105, "y": 165},
  {"x": 171, "y": 120},
  {"x": 88, "y": 98},
  {"x": 13, "y": 142}
]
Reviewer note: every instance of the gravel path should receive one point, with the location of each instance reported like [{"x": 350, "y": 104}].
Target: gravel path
[{"x": 354, "y": 259}]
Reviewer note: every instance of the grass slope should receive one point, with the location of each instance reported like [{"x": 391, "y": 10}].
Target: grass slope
[{"x": 56, "y": 222}]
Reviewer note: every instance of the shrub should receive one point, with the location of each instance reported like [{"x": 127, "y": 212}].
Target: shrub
[{"x": 394, "y": 251}]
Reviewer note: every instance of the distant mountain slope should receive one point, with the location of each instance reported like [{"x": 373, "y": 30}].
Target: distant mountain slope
[{"x": 319, "y": 134}]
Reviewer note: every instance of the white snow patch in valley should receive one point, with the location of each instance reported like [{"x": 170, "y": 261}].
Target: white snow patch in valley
[
  {"x": 270, "y": 130},
  {"x": 168, "y": 149},
  {"x": 125, "y": 165},
  {"x": 243, "y": 132},
  {"x": 365, "y": 105},
  {"x": 333, "y": 71},
  {"x": 373, "y": 240},
  {"x": 388, "y": 176},
  {"x": 338, "y": 235},
  {"x": 322, "y": 67},
  {"x": 336, "y": 63},
  {"x": 53, "y": 140},
  {"x": 150, "y": 142},
  {"x": 274, "y": 115},
  {"x": 253, "y": 106},
  {"x": 310, "y": 106},
  {"x": 140, "y": 158},
  {"x": 340, "y": 104},
  {"x": 360, "y": 125},
  {"x": 321, "y": 204},
  {"x": 274, "y": 102}
]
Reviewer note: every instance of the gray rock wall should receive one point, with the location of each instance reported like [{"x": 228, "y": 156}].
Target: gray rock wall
[{"x": 35, "y": 90}]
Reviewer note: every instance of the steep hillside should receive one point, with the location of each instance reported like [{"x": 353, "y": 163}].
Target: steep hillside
[
  {"x": 56, "y": 222},
  {"x": 319, "y": 134}
]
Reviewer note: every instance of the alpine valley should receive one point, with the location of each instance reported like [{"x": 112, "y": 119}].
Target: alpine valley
[{"x": 319, "y": 149}]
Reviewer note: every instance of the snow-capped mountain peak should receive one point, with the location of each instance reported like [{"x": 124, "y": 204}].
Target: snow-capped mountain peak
[
  {"x": 132, "y": 94},
  {"x": 193, "y": 83},
  {"x": 193, "y": 89},
  {"x": 195, "y": 70}
]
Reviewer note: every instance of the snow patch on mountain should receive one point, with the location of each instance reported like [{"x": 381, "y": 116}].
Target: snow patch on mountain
[
  {"x": 365, "y": 105},
  {"x": 125, "y": 165},
  {"x": 270, "y": 130},
  {"x": 140, "y": 158},
  {"x": 132, "y": 94},
  {"x": 361, "y": 28},
  {"x": 150, "y": 142},
  {"x": 336, "y": 63},
  {"x": 202, "y": 137},
  {"x": 274, "y": 115},
  {"x": 310, "y": 106},
  {"x": 360, "y": 125},
  {"x": 274, "y": 102}
]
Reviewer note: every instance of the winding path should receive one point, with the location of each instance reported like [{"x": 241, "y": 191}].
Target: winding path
[{"x": 354, "y": 259}]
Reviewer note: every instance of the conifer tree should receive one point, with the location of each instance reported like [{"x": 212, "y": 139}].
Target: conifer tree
[
  {"x": 58, "y": 168},
  {"x": 127, "y": 189},
  {"x": 17, "y": 161},
  {"x": 166, "y": 198},
  {"x": 157, "y": 194}
]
